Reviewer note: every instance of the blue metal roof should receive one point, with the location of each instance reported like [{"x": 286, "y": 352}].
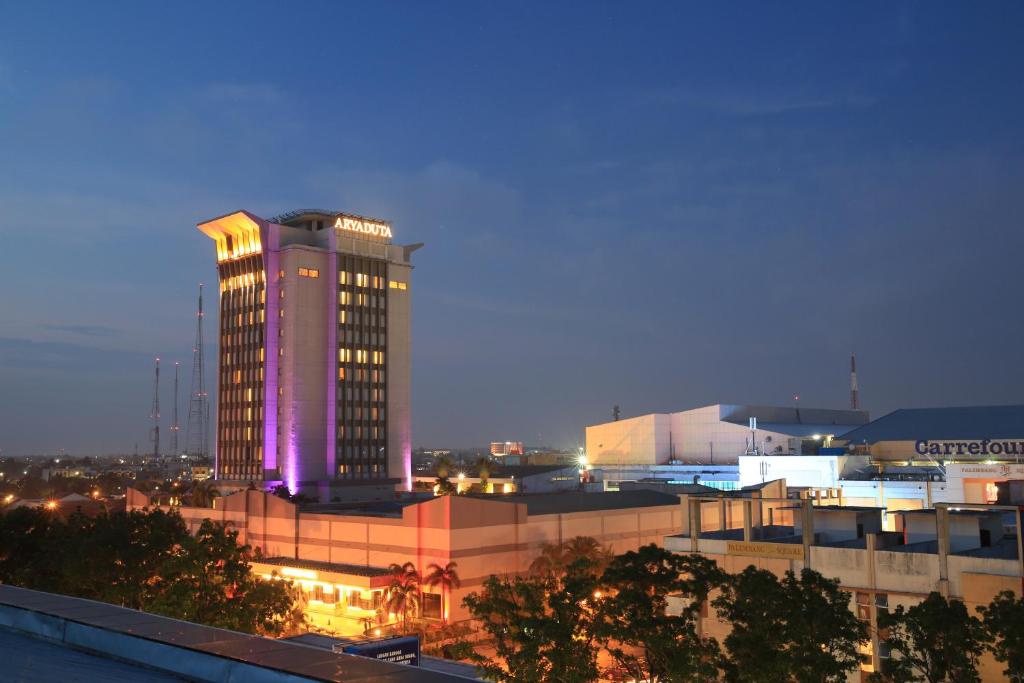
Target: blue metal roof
[{"x": 942, "y": 424}]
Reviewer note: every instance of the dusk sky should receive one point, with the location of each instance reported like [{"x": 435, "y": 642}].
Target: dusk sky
[{"x": 659, "y": 206}]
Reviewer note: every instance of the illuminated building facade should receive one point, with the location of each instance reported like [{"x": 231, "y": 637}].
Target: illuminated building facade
[
  {"x": 340, "y": 554},
  {"x": 501, "y": 448},
  {"x": 314, "y": 370}
]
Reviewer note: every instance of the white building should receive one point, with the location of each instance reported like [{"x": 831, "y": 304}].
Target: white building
[{"x": 716, "y": 434}]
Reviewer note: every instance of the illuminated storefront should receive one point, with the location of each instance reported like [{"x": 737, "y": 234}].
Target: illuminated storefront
[{"x": 340, "y": 598}]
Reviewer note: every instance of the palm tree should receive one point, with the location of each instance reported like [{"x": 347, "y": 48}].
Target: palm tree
[
  {"x": 404, "y": 590},
  {"x": 550, "y": 561},
  {"x": 587, "y": 548},
  {"x": 554, "y": 558},
  {"x": 447, "y": 578},
  {"x": 203, "y": 493},
  {"x": 444, "y": 467},
  {"x": 442, "y": 486},
  {"x": 483, "y": 466},
  {"x": 403, "y": 599},
  {"x": 404, "y": 573}
]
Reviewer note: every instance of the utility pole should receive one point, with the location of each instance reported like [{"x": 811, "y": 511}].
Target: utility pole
[
  {"x": 156, "y": 410},
  {"x": 175, "y": 427},
  {"x": 197, "y": 438}
]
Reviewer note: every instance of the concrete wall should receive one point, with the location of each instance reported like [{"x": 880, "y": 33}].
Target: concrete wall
[
  {"x": 399, "y": 378},
  {"x": 696, "y": 431},
  {"x": 304, "y": 365},
  {"x": 634, "y": 441},
  {"x": 816, "y": 471},
  {"x": 834, "y": 526},
  {"x": 701, "y": 435}
]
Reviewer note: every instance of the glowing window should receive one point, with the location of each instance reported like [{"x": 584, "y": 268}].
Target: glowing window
[
  {"x": 344, "y": 277},
  {"x": 304, "y": 272},
  {"x": 362, "y": 279},
  {"x": 344, "y": 298}
]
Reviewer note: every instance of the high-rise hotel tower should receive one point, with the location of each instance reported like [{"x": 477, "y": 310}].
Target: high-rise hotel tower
[{"x": 313, "y": 381}]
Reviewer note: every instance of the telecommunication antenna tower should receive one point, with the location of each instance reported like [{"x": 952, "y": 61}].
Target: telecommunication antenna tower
[
  {"x": 854, "y": 393},
  {"x": 198, "y": 431},
  {"x": 155, "y": 436},
  {"x": 175, "y": 427}
]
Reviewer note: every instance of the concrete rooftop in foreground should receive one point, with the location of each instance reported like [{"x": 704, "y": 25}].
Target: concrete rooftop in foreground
[{"x": 89, "y": 641}]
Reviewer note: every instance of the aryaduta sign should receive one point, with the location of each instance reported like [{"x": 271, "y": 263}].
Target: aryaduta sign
[{"x": 364, "y": 226}]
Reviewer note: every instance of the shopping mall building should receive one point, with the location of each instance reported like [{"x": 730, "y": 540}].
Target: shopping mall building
[
  {"x": 715, "y": 435},
  {"x": 340, "y": 553}
]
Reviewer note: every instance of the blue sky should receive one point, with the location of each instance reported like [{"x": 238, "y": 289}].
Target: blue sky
[{"x": 652, "y": 205}]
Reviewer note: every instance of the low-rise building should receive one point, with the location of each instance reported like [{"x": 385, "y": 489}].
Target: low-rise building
[
  {"x": 340, "y": 553},
  {"x": 967, "y": 554},
  {"x": 504, "y": 479}
]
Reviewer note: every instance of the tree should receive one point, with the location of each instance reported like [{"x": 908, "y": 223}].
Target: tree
[
  {"x": 799, "y": 630},
  {"x": 633, "y": 623},
  {"x": 550, "y": 560},
  {"x": 540, "y": 626},
  {"x": 210, "y": 582},
  {"x": 554, "y": 558},
  {"x": 282, "y": 491},
  {"x": 1004, "y": 629},
  {"x": 403, "y": 596},
  {"x": 403, "y": 599},
  {"x": 447, "y": 578},
  {"x": 936, "y": 640},
  {"x": 144, "y": 560},
  {"x": 587, "y": 548},
  {"x": 203, "y": 494},
  {"x": 483, "y": 466},
  {"x": 442, "y": 485}
]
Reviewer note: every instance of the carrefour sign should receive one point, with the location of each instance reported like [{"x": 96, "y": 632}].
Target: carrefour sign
[
  {"x": 978, "y": 447},
  {"x": 363, "y": 226}
]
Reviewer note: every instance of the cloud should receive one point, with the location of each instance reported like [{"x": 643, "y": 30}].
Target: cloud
[
  {"x": 754, "y": 102},
  {"x": 442, "y": 200}
]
